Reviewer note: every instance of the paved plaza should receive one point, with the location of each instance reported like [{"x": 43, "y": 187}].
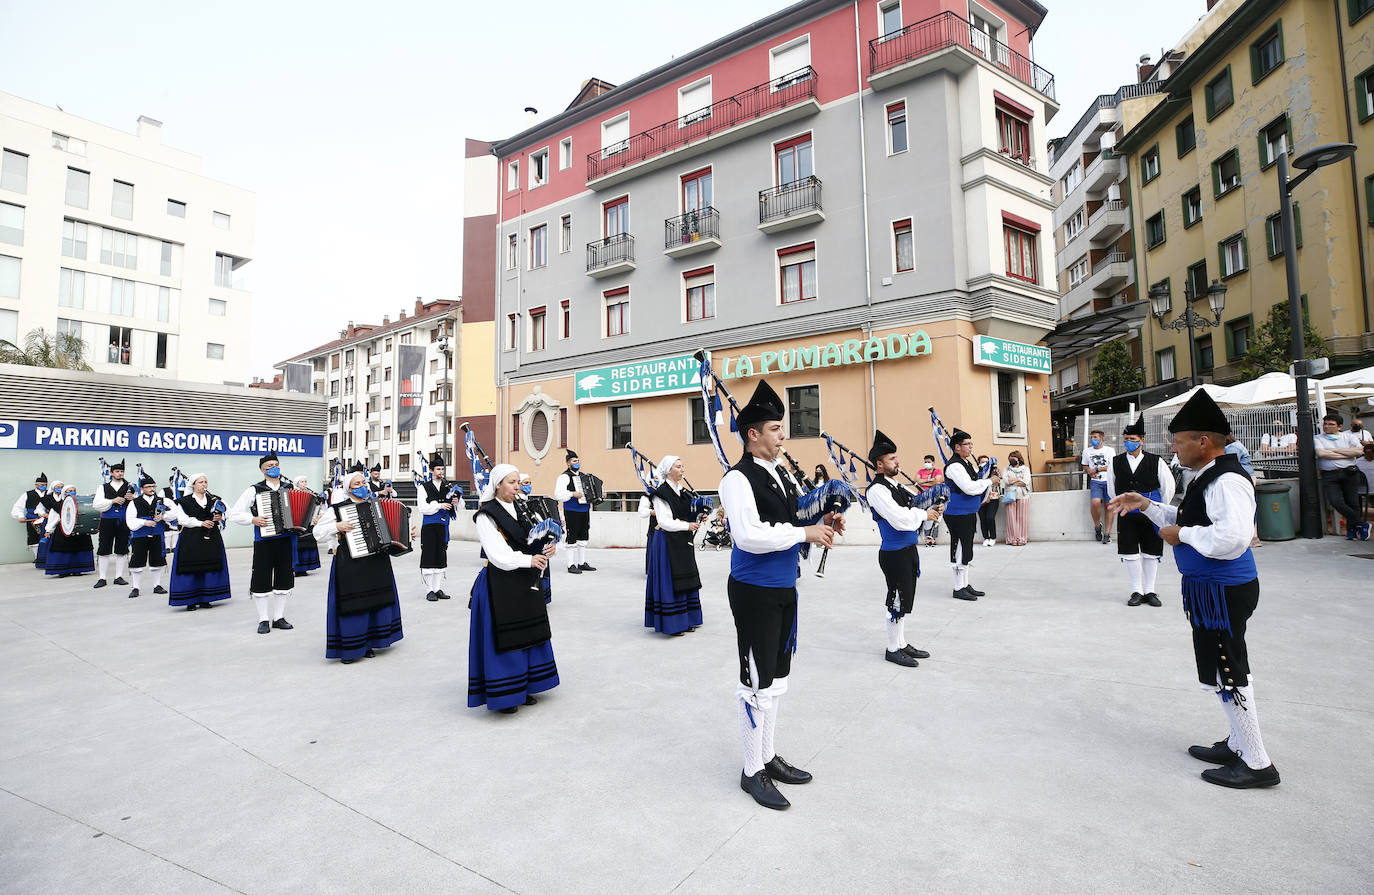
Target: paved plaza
[{"x": 1040, "y": 749}]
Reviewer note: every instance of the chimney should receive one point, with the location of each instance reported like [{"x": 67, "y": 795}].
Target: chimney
[
  {"x": 531, "y": 116},
  {"x": 419, "y": 306},
  {"x": 403, "y": 316},
  {"x": 1143, "y": 68},
  {"x": 149, "y": 130},
  {"x": 386, "y": 320}
]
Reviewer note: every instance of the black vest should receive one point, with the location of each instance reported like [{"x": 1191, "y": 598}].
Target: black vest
[
  {"x": 361, "y": 584},
  {"x": 262, "y": 486},
  {"x": 434, "y": 492},
  {"x": 682, "y": 559},
  {"x": 199, "y": 549},
  {"x": 519, "y": 617},
  {"x": 776, "y": 504},
  {"x": 145, "y": 508},
  {"x": 1193, "y": 510},
  {"x": 900, "y": 495},
  {"x": 33, "y": 500},
  {"x": 112, "y": 492},
  {"x": 375, "y": 487},
  {"x": 1143, "y": 480},
  {"x": 972, "y": 474}
]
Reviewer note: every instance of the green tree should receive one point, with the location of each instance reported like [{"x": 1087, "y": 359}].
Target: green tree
[
  {"x": 62, "y": 351},
  {"x": 1271, "y": 346},
  {"x": 1114, "y": 372}
]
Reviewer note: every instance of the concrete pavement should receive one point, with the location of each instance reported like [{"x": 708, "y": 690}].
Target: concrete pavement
[{"x": 1040, "y": 749}]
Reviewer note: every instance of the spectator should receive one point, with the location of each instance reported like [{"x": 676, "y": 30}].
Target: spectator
[
  {"x": 1365, "y": 464},
  {"x": 929, "y": 474},
  {"x": 1016, "y": 484},
  {"x": 1336, "y": 453},
  {"x": 1096, "y": 456},
  {"x": 987, "y": 513},
  {"x": 1359, "y": 431},
  {"x": 820, "y": 476},
  {"x": 1235, "y": 447},
  {"x": 1279, "y": 440}
]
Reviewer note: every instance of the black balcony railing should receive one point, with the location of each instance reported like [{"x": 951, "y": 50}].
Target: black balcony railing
[
  {"x": 610, "y": 250},
  {"x": 690, "y": 227},
  {"x": 948, "y": 29},
  {"x": 790, "y": 199},
  {"x": 726, "y": 113}
]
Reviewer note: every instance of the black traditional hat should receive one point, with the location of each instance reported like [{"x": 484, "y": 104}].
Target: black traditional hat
[
  {"x": 377, "y": 468},
  {"x": 1200, "y": 414},
  {"x": 765, "y": 406},
  {"x": 882, "y": 445},
  {"x": 1136, "y": 428},
  {"x": 146, "y": 479},
  {"x": 117, "y": 467},
  {"x": 958, "y": 437},
  {"x": 437, "y": 459},
  {"x": 357, "y": 467},
  {"x": 42, "y": 477},
  {"x": 570, "y": 455},
  {"x": 268, "y": 458}
]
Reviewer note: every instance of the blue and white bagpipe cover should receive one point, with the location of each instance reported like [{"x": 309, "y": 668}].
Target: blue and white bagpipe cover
[
  {"x": 832, "y": 496},
  {"x": 702, "y": 506},
  {"x": 545, "y": 528}
]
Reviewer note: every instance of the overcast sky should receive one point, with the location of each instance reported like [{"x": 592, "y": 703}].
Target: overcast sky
[{"x": 347, "y": 119}]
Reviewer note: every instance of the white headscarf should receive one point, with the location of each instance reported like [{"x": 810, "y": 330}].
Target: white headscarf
[
  {"x": 302, "y": 481},
  {"x": 498, "y": 473},
  {"x": 343, "y": 494},
  {"x": 666, "y": 464},
  {"x": 191, "y": 483}
]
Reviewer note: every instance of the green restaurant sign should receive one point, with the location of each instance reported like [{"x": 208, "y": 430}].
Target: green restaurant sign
[
  {"x": 637, "y": 379},
  {"x": 992, "y": 352}
]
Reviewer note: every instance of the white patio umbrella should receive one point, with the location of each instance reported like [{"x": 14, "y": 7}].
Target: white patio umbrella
[
  {"x": 1216, "y": 391},
  {"x": 1356, "y": 378}
]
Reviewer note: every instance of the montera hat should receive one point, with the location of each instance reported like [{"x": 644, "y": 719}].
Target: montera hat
[
  {"x": 268, "y": 458},
  {"x": 1136, "y": 428},
  {"x": 1200, "y": 414},
  {"x": 765, "y": 406},
  {"x": 959, "y": 436},
  {"x": 882, "y": 446},
  {"x": 437, "y": 459},
  {"x": 570, "y": 455}
]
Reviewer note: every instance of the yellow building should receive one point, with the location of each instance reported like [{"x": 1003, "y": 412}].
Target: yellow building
[{"x": 1275, "y": 76}]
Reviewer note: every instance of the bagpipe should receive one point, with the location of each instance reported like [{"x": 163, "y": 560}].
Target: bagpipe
[
  {"x": 646, "y": 471},
  {"x": 543, "y": 529},
  {"x": 830, "y": 496},
  {"x": 941, "y": 435},
  {"x": 105, "y": 476},
  {"x": 478, "y": 460},
  {"x": 845, "y": 459}
]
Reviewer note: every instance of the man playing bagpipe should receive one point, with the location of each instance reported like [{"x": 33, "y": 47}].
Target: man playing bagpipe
[
  {"x": 900, "y": 523},
  {"x": 577, "y": 513},
  {"x": 274, "y": 575},
  {"x": 376, "y": 485},
  {"x": 110, "y": 499},
  {"x": 144, "y": 516},
  {"x": 436, "y": 510},
  {"x": 672, "y": 595},
  {"x": 967, "y": 491},
  {"x": 31, "y": 510},
  {"x": 1137, "y": 539}
]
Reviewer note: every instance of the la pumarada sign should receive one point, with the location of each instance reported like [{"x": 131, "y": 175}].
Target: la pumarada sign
[{"x": 832, "y": 354}]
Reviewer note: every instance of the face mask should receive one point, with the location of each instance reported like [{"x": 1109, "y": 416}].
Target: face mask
[
  {"x": 1095, "y": 442},
  {"x": 1131, "y": 444},
  {"x": 576, "y": 465},
  {"x": 273, "y": 472},
  {"x": 41, "y": 489},
  {"x": 1015, "y": 462},
  {"x": 361, "y": 491},
  {"x": 930, "y": 466},
  {"x": 1332, "y": 436},
  {"x": 528, "y": 489}
]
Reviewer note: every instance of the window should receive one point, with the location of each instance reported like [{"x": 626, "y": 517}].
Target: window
[
  {"x": 1364, "y": 95},
  {"x": 616, "y": 217},
  {"x": 1192, "y": 207},
  {"x": 78, "y": 188},
  {"x": 1218, "y": 94},
  {"x": 1078, "y": 273},
  {"x": 512, "y": 251},
  {"x": 119, "y": 350},
  {"x": 387, "y": 348},
  {"x": 164, "y": 304},
  {"x": 165, "y": 267},
  {"x": 1226, "y": 173},
  {"x": 1205, "y": 360},
  {"x": 1358, "y": 8},
  {"x": 160, "y": 360},
  {"x": 890, "y": 14},
  {"x": 1073, "y": 227},
  {"x": 1237, "y": 337},
  {"x": 1234, "y": 257},
  {"x": 789, "y": 63},
  {"x": 74, "y": 239},
  {"x": 694, "y": 103},
  {"x": 539, "y": 168},
  {"x": 220, "y": 220},
  {"x": 1197, "y": 279},
  {"x": 1164, "y": 365},
  {"x": 539, "y": 246},
  {"x": 510, "y": 332},
  {"x": 565, "y": 233},
  {"x": 1010, "y": 394},
  {"x": 14, "y": 171},
  {"x": 1149, "y": 164},
  {"x": 1273, "y": 231},
  {"x": 797, "y": 273},
  {"x": 1072, "y": 179},
  {"x": 9, "y": 276},
  {"x": 214, "y": 351},
  {"x": 333, "y": 441},
  {"x": 700, "y": 286},
  {"x": 1276, "y": 138},
  {"x": 618, "y": 419},
  {"x": 11, "y": 223},
  {"x": 122, "y": 297},
  {"x": 617, "y": 311},
  {"x": 515, "y": 431},
  {"x": 1186, "y": 135},
  {"x": 69, "y": 327},
  {"x": 433, "y": 428},
  {"x": 1013, "y": 134},
  {"x": 176, "y": 209},
  {"x": 903, "y": 250},
  {"x": 794, "y": 160},
  {"x": 562, "y": 427},
  {"x": 1154, "y": 230},
  {"x": 804, "y": 411},
  {"x": 615, "y": 135},
  {"x": 896, "y": 128},
  {"x": 122, "y": 200},
  {"x": 696, "y": 190},
  {"x": 1266, "y": 54},
  {"x": 513, "y": 175},
  {"x": 1369, "y": 199},
  {"x": 565, "y": 154},
  {"x": 1068, "y": 378},
  {"x": 224, "y": 271},
  {"x": 696, "y": 412},
  {"x": 119, "y": 248},
  {"x": 1020, "y": 246},
  {"x": 9, "y": 326},
  {"x": 68, "y": 144},
  {"x": 537, "y": 339},
  {"x": 218, "y": 307}
]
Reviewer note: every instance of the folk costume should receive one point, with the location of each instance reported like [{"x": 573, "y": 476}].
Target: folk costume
[
  {"x": 900, "y": 523},
  {"x": 1137, "y": 538},
  {"x": 760, "y": 500},
  {"x": 966, "y": 492},
  {"x": 1220, "y": 593},
  {"x": 363, "y": 612},
  {"x": 67, "y": 554},
  {"x": 31, "y": 510},
  {"x": 434, "y": 526},
  {"x": 200, "y": 567},
  {"x": 145, "y": 536},
  {"x": 172, "y": 529},
  {"x": 672, "y": 595},
  {"x": 307, "y": 549},
  {"x": 114, "y": 534},
  {"x": 274, "y": 575},
  {"x": 510, "y": 656},
  {"x": 577, "y": 514},
  {"x": 376, "y": 485}
]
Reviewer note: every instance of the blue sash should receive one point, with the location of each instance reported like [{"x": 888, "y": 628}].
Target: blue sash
[
  {"x": 777, "y": 569},
  {"x": 1154, "y": 495},
  {"x": 895, "y": 539},
  {"x": 573, "y": 505},
  {"x": 961, "y": 504},
  {"x": 1204, "y": 585},
  {"x": 439, "y": 518}
]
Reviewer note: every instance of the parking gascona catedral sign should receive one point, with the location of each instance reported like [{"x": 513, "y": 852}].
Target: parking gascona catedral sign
[
  {"x": 992, "y": 352},
  {"x": 637, "y": 379}
]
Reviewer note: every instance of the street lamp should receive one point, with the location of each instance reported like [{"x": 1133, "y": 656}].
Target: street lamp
[
  {"x": 1160, "y": 300},
  {"x": 1309, "y": 161}
]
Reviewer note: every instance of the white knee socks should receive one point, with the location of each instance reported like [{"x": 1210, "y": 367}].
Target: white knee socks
[
  {"x": 769, "y": 727},
  {"x": 751, "y": 721},
  {"x": 279, "y": 604},
  {"x": 960, "y": 576},
  {"x": 896, "y": 635},
  {"x": 137, "y": 575},
  {"x": 121, "y": 562},
  {"x": 1245, "y": 738},
  {"x": 1149, "y": 567},
  {"x": 260, "y": 601},
  {"x": 102, "y": 565},
  {"x": 1132, "y": 564},
  {"x": 157, "y": 576},
  {"x": 431, "y": 579}
]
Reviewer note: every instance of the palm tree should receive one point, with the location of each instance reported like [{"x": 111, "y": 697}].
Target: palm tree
[{"x": 62, "y": 351}]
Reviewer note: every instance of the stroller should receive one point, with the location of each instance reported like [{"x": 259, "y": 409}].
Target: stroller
[{"x": 717, "y": 533}]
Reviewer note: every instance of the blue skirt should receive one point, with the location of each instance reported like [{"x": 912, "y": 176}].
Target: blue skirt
[
  {"x": 664, "y": 611},
  {"x": 351, "y": 636},
  {"x": 186, "y": 589},
  {"x": 307, "y": 554},
  {"x": 501, "y": 680},
  {"x": 58, "y": 563},
  {"x": 42, "y": 557}
]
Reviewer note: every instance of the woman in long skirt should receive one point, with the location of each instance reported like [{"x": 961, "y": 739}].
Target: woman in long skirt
[
  {"x": 307, "y": 556},
  {"x": 200, "y": 567},
  {"x": 510, "y": 657},
  {"x": 363, "y": 613},
  {"x": 67, "y": 554},
  {"x": 672, "y": 596}
]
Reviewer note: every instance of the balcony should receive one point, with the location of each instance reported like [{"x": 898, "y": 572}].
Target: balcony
[
  {"x": 761, "y": 107},
  {"x": 374, "y": 388},
  {"x": 1108, "y": 222},
  {"x": 695, "y": 231},
  {"x": 795, "y": 204},
  {"x": 947, "y": 40},
  {"x": 611, "y": 255},
  {"x": 1111, "y": 272},
  {"x": 1105, "y": 170}
]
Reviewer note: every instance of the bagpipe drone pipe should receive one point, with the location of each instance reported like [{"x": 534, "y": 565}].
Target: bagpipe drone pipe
[
  {"x": 478, "y": 461},
  {"x": 940, "y": 433},
  {"x": 848, "y": 462},
  {"x": 701, "y": 506}
]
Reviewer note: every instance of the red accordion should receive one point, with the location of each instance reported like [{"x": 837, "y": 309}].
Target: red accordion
[
  {"x": 305, "y": 509},
  {"x": 379, "y": 526}
]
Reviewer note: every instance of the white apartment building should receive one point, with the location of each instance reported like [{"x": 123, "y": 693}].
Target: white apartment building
[{"x": 121, "y": 240}]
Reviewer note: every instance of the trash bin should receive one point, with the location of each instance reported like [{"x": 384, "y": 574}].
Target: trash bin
[{"x": 1274, "y": 512}]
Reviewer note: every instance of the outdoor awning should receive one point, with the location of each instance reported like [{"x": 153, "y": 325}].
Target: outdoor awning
[{"x": 1080, "y": 334}]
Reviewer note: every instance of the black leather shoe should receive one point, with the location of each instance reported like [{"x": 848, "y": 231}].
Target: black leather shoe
[
  {"x": 915, "y": 653},
  {"x": 976, "y": 593},
  {"x": 101, "y": 582},
  {"x": 432, "y": 597},
  {"x": 1153, "y": 600},
  {"x": 779, "y": 771},
  {"x": 133, "y": 593},
  {"x": 370, "y": 654},
  {"x": 203, "y": 605},
  {"x": 1136, "y": 599},
  {"x": 1239, "y": 775},
  {"x": 963, "y": 594},
  {"x": 120, "y": 581},
  {"x": 441, "y": 595},
  {"x": 159, "y": 589},
  {"x": 264, "y": 627},
  {"x": 530, "y": 700},
  {"x": 347, "y": 661},
  {"x": 574, "y": 570},
  {"x": 283, "y": 624},
  {"x": 193, "y": 607},
  {"x": 509, "y": 711},
  {"x": 763, "y": 790},
  {"x": 587, "y": 567},
  {"x": 900, "y": 658},
  {"x": 1219, "y": 752}
]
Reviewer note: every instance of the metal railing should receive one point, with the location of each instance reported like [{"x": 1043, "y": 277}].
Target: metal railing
[
  {"x": 790, "y": 199},
  {"x": 1105, "y": 101},
  {"x": 757, "y": 101},
  {"x": 1109, "y": 205},
  {"x": 948, "y": 29},
  {"x": 694, "y": 225},
  {"x": 610, "y": 250},
  {"x": 1112, "y": 258}
]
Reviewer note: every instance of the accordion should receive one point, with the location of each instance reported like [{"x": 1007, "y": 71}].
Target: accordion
[
  {"x": 379, "y": 526},
  {"x": 275, "y": 507},
  {"x": 593, "y": 489},
  {"x": 305, "y": 509}
]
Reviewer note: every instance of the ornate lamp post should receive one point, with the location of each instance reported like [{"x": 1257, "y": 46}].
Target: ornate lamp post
[{"x": 1161, "y": 300}]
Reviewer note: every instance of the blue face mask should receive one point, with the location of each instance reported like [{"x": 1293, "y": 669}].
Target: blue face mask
[
  {"x": 273, "y": 472},
  {"x": 1332, "y": 437},
  {"x": 576, "y": 465},
  {"x": 41, "y": 489},
  {"x": 361, "y": 491},
  {"x": 528, "y": 489},
  {"x": 1095, "y": 442},
  {"x": 1131, "y": 445}
]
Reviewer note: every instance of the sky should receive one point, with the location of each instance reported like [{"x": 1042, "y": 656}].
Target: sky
[{"x": 347, "y": 120}]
